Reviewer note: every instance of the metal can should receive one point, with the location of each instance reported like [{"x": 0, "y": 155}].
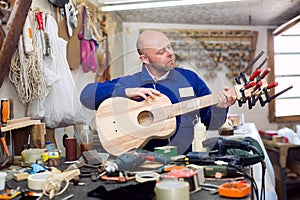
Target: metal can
[{"x": 5, "y": 111}]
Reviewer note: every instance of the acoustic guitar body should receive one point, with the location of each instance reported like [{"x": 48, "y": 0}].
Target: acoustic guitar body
[{"x": 123, "y": 124}]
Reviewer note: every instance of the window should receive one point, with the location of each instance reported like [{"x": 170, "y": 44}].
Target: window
[{"x": 284, "y": 59}]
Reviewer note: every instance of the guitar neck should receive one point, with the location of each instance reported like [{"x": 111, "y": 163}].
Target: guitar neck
[
  {"x": 184, "y": 107},
  {"x": 204, "y": 101},
  {"x": 193, "y": 104}
]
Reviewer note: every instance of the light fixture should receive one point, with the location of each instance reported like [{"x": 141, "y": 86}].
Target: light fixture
[{"x": 143, "y": 4}]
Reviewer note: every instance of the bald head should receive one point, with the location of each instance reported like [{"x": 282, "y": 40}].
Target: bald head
[{"x": 151, "y": 40}]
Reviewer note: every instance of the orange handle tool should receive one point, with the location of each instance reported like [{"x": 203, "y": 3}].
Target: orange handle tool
[{"x": 2, "y": 138}]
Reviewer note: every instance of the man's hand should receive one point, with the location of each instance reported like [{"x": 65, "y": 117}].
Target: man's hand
[
  {"x": 135, "y": 93},
  {"x": 226, "y": 98}
]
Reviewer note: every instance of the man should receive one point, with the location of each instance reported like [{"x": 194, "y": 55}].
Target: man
[{"x": 158, "y": 75}]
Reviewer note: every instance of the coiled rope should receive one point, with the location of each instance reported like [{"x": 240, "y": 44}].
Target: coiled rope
[
  {"x": 26, "y": 71},
  {"x": 52, "y": 185}
]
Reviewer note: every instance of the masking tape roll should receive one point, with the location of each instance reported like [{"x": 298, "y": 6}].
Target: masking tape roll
[
  {"x": 142, "y": 177},
  {"x": 172, "y": 190},
  {"x": 36, "y": 181}
]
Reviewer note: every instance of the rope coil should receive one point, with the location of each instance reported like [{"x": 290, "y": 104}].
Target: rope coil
[
  {"x": 26, "y": 70},
  {"x": 52, "y": 185}
]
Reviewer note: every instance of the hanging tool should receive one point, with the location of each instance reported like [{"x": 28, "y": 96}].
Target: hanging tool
[
  {"x": 2, "y": 138},
  {"x": 259, "y": 89}
]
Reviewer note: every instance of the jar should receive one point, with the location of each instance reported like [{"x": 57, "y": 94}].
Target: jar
[{"x": 86, "y": 138}]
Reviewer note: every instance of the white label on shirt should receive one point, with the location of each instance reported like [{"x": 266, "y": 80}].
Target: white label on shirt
[{"x": 186, "y": 92}]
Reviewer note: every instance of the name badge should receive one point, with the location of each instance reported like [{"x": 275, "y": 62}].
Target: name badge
[{"x": 186, "y": 92}]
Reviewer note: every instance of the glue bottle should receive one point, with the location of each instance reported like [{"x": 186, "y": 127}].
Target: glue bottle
[
  {"x": 199, "y": 136},
  {"x": 86, "y": 139}
]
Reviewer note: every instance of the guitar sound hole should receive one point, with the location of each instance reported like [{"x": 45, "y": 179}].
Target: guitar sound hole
[{"x": 145, "y": 118}]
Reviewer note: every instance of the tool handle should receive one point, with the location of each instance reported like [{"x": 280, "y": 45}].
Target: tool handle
[
  {"x": 255, "y": 74},
  {"x": 249, "y": 85},
  {"x": 263, "y": 75},
  {"x": 2, "y": 138},
  {"x": 271, "y": 85},
  {"x": 5, "y": 146}
]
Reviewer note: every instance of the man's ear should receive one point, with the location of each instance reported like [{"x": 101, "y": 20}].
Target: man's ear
[{"x": 144, "y": 59}]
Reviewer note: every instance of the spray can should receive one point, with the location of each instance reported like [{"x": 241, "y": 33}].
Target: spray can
[{"x": 5, "y": 108}]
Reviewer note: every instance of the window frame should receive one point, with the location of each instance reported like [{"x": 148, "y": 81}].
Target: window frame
[{"x": 271, "y": 79}]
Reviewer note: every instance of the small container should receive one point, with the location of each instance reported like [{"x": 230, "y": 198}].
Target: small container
[
  {"x": 31, "y": 155},
  {"x": 71, "y": 149},
  {"x": 49, "y": 146},
  {"x": 199, "y": 136},
  {"x": 86, "y": 139}
]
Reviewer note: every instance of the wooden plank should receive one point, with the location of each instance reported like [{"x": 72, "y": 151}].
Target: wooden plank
[
  {"x": 37, "y": 139},
  {"x": 17, "y": 120},
  {"x": 13, "y": 30},
  {"x": 19, "y": 125}
]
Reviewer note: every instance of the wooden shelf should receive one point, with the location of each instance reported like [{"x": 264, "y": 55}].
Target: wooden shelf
[{"x": 18, "y": 125}]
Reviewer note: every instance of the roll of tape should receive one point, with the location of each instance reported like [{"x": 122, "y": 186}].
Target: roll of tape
[
  {"x": 142, "y": 177},
  {"x": 172, "y": 190},
  {"x": 36, "y": 181}
]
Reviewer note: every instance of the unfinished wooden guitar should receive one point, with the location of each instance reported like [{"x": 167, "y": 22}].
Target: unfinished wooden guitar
[{"x": 123, "y": 124}]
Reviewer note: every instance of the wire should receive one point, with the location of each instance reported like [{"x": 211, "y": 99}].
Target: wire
[
  {"x": 253, "y": 183},
  {"x": 263, "y": 193},
  {"x": 263, "y": 166}
]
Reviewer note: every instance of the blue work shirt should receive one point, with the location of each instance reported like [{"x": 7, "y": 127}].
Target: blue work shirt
[{"x": 180, "y": 85}]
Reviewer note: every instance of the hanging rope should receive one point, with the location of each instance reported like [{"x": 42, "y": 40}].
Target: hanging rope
[{"x": 26, "y": 71}]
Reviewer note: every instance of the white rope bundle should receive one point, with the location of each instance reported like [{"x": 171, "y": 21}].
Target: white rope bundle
[
  {"x": 26, "y": 71},
  {"x": 52, "y": 185}
]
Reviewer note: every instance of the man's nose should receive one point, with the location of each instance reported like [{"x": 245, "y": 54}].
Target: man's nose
[{"x": 170, "y": 52}]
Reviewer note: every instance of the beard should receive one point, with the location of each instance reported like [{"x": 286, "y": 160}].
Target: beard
[{"x": 163, "y": 68}]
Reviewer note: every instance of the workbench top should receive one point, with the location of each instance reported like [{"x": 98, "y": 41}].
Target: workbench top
[{"x": 80, "y": 192}]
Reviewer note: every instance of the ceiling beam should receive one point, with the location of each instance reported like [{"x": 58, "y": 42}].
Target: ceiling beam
[{"x": 284, "y": 27}]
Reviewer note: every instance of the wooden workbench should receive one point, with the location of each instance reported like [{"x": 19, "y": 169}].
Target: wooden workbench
[{"x": 279, "y": 153}]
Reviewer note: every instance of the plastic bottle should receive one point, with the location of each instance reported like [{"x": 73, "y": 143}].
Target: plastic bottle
[
  {"x": 49, "y": 146},
  {"x": 199, "y": 136},
  {"x": 86, "y": 138}
]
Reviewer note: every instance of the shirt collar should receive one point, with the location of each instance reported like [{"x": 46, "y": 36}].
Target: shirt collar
[{"x": 147, "y": 76}]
